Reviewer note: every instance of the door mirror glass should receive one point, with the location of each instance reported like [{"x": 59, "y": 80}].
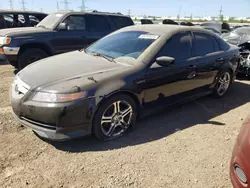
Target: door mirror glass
[
  {"x": 165, "y": 61},
  {"x": 62, "y": 27}
]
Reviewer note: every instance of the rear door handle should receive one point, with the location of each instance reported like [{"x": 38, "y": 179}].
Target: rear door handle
[{"x": 220, "y": 60}]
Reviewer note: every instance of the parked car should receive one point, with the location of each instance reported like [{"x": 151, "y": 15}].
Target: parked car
[
  {"x": 240, "y": 166},
  {"x": 58, "y": 33},
  {"x": 104, "y": 88},
  {"x": 13, "y": 19},
  {"x": 241, "y": 38},
  {"x": 218, "y": 27}
]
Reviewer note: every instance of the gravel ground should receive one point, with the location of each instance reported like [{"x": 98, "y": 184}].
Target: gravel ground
[{"x": 185, "y": 146}]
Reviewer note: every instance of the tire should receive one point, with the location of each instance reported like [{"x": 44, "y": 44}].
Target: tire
[
  {"x": 223, "y": 84},
  {"x": 31, "y": 55},
  {"x": 114, "y": 126}
]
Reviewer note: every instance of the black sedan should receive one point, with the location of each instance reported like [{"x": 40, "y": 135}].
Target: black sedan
[{"x": 104, "y": 88}]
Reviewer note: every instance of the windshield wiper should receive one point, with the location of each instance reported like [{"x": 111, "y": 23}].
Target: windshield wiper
[{"x": 104, "y": 56}]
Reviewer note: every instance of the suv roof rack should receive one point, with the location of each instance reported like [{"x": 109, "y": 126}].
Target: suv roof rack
[{"x": 108, "y": 12}]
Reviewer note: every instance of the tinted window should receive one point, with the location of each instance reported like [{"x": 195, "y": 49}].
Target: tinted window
[
  {"x": 16, "y": 20},
  {"x": 120, "y": 21},
  {"x": 124, "y": 44},
  {"x": 223, "y": 45},
  {"x": 215, "y": 44},
  {"x": 34, "y": 20},
  {"x": 203, "y": 44},
  {"x": 98, "y": 23},
  {"x": 75, "y": 22},
  {"x": 178, "y": 47}
]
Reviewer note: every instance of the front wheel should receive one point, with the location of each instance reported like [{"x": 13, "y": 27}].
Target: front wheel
[
  {"x": 223, "y": 83},
  {"x": 114, "y": 117},
  {"x": 30, "y": 56}
]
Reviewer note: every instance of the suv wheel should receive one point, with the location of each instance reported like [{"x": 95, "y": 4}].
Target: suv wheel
[{"x": 31, "y": 55}]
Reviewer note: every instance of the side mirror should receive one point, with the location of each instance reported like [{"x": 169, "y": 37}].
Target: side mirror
[
  {"x": 62, "y": 27},
  {"x": 165, "y": 61}
]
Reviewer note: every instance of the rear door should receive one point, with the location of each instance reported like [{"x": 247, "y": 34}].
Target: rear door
[
  {"x": 209, "y": 58},
  {"x": 171, "y": 84}
]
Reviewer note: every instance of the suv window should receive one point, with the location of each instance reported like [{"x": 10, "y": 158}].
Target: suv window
[
  {"x": 11, "y": 21},
  {"x": 75, "y": 22},
  {"x": 203, "y": 44},
  {"x": 120, "y": 21},
  {"x": 34, "y": 20},
  {"x": 98, "y": 23},
  {"x": 178, "y": 47}
]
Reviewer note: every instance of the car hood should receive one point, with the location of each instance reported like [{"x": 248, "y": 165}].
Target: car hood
[
  {"x": 65, "y": 67},
  {"x": 23, "y": 31}
]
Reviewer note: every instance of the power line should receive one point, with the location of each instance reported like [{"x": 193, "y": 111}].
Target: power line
[{"x": 11, "y": 4}]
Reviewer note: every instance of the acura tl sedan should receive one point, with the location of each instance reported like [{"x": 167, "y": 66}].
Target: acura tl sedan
[{"x": 104, "y": 88}]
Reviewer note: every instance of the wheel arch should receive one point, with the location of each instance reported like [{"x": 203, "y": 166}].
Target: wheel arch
[
  {"x": 129, "y": 93},
  {"x": 41, "y": 46}
]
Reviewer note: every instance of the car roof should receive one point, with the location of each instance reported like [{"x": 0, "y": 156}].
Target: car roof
[
  {"x": 5, "y": 11},
  {"x": 164, "y": 29},
  {"x": 88, "y": 12}
]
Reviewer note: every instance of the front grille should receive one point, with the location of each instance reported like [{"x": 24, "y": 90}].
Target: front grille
[{"x": 40, "y": 124}]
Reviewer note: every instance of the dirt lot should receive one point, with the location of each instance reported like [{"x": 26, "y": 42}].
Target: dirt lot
[{"x": 187, "y": 146}]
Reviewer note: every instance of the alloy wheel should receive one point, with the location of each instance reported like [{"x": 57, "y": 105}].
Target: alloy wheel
[
  {"x": 116, "y": 119},
  {"x": 224, "y": 83}
]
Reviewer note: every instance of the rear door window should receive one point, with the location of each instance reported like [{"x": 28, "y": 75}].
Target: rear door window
[
  {"x": 120, "y": 21},
  {"x": 204, "y": 44},
  {"x": 178, "y": 47},
  {"x": 14, "y": 20},
  {"x": 97, "y": 23}
]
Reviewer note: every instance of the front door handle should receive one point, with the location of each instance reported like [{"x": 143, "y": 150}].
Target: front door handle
[
  {"x": 220, "y": 60},
  {"x": 192, "y": 67}
]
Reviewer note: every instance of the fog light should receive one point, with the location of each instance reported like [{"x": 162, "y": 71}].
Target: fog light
[{"x": 240, "y": 173}]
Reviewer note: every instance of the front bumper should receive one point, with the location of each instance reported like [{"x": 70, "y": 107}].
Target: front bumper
[
  {"x": 53, "y": 121},
  {"x": 10, "y": 55}
]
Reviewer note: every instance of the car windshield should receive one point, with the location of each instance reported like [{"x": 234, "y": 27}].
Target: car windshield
[
  {"x": 50, "y": 21},
  {"x": 124, "y": 44}
]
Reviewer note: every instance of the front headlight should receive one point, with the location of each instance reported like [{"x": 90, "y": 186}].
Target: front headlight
[
  {"x": 54, "y": 98},
  {"x": 5, "y": 40}
]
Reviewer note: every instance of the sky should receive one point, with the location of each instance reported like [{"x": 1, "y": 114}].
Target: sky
[{"x": 239, "y": 8}]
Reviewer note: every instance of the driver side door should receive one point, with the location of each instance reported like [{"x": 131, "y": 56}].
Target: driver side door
[{"x": 170, "y": 84}]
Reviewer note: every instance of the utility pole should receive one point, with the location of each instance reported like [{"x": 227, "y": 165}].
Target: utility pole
[
  {"x": 221, "y": 15},
  {"x": 66, "y": 3},
  {"x": 57, "y": 5},
  {"x": 179, "y": 13},
  {"x": 129, "y": 12},
  {"x": 11, "y": 4},
  {"x": 83, "y": 7},
  {"x": 23, "y": 2}
]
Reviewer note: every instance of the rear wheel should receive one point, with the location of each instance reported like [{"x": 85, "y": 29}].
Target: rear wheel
[
  {"x": 223, "y": 83},
  {"x": 31, "y": 55},
  {"x": 114, "y": 117}
]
